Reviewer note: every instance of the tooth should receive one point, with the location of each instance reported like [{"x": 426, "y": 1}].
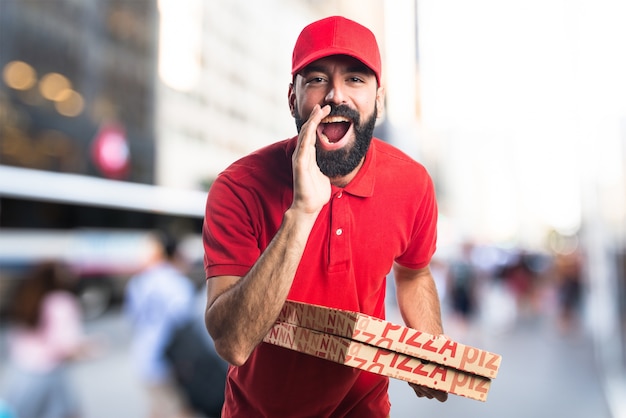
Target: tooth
[{"x": 331, "y": 119}]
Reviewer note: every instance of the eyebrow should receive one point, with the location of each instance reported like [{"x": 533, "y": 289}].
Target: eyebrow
[{"x": 357, "y": 68}]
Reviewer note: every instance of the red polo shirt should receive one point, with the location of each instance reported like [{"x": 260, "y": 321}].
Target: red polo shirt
[{"x": 387, "y": 213}]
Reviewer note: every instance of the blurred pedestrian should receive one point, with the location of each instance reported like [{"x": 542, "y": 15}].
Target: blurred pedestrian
[
  {"x": 461, "y": 288},
  {"x": 159, "y": 299},
  {"x": 569, "y": 289},
  {"x": 45, "y": 334},
  {"x": 522, "y": 282}
]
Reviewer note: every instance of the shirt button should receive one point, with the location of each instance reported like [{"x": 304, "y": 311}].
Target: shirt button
[
  {"x": 339, "y": 231},
  {"x": 339, "y": 195}
]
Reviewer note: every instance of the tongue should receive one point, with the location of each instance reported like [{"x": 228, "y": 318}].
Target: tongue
[{"x": 335, "y": 131}]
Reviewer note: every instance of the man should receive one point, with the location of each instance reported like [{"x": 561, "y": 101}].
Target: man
[{"x": 319, "y": 218}]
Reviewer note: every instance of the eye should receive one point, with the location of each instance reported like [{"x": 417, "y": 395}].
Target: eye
[
  {"x": 315, "y": 80},
  {"x": 356, "y": 79}
]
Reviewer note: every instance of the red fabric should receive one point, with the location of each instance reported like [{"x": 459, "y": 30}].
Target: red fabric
[
  {"x": 336, "y": 35},
  {"x": 388, "y": 212}
]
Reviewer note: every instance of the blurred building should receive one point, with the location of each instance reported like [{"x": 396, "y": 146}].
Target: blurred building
[
  {"x": 73, "y": 72},
  {"x": 77, "y": 96}
]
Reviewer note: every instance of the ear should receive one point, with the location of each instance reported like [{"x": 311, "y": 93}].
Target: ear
[
  {"x": 380, "y": 101},
  {"x": 291, "y": 97}
]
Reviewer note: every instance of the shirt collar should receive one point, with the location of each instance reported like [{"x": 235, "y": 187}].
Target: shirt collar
[{"x": 363, "y": 184}]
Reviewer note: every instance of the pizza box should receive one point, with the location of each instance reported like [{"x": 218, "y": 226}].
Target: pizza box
[
  {"x": 378, "y": 360},
  {"x": 399, "y": 338}
]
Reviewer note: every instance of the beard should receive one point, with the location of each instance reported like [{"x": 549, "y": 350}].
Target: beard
[{"x": 342, "y": 162}]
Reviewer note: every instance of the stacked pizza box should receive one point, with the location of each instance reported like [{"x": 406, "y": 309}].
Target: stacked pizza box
[{"x": 375, "y": 345}]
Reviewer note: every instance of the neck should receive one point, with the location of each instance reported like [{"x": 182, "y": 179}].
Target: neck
[{"x": 343, "y": 181}]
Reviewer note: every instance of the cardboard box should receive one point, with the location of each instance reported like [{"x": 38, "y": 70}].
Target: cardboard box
[
  {"x": 378, "y": 360},
  {"x": 399, "y": 338}
]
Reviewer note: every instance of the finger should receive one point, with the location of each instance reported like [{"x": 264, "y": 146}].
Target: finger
[
  {"x": 421, "y": 391},
  {"x": 317, "y": 114},
  {"x": 441, "y": 396},
  {"x": 425, "y": 392},
  {"x": 304, "y": 156},
  {"x": 309, "y": 129}
]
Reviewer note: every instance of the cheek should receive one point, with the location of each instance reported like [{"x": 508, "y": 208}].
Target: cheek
[
  {"x": 302, "y": 109},
  {"x": 367, "y": 102},
  {"x": 306, "y": 98},
  {"x": 368, "y": 109}
]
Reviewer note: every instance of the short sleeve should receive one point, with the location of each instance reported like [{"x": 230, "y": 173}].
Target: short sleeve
[
  {"x": 230, "y": 245},
  {"x": 423, "y": 241}
]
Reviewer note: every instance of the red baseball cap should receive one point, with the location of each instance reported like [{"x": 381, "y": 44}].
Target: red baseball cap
[{"x": 336, "y": 35}]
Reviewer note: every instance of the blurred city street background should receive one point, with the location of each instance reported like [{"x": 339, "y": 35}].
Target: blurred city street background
[
  {"x": 117, "y": 115},
  {"x": 544, "y": 373}
]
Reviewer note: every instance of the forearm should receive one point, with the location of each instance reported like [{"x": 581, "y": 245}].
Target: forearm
[
  {"x": 239, "y": 317},
  {"x": 418, "y": 299}
]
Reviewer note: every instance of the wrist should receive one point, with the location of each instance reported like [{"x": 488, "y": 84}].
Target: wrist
[{"x": 299, "y": 218}]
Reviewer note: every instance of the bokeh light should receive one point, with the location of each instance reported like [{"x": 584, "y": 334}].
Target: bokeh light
[
  {"x": 70, "y": 103},
  {"x": 19, "y": 75},
  {"x": 53, "y": 86}
]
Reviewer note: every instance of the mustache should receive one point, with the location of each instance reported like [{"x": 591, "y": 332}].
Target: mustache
[{"x": 345, "y": 111}]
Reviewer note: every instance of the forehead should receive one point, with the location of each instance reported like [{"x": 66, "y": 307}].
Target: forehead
[{"x": 342, "y": 63}]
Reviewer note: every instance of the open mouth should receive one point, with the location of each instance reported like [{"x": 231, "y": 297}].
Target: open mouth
[{"x": 333, "y": 128}]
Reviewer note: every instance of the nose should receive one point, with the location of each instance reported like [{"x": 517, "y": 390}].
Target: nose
[{"x": 336, "y": 93}]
